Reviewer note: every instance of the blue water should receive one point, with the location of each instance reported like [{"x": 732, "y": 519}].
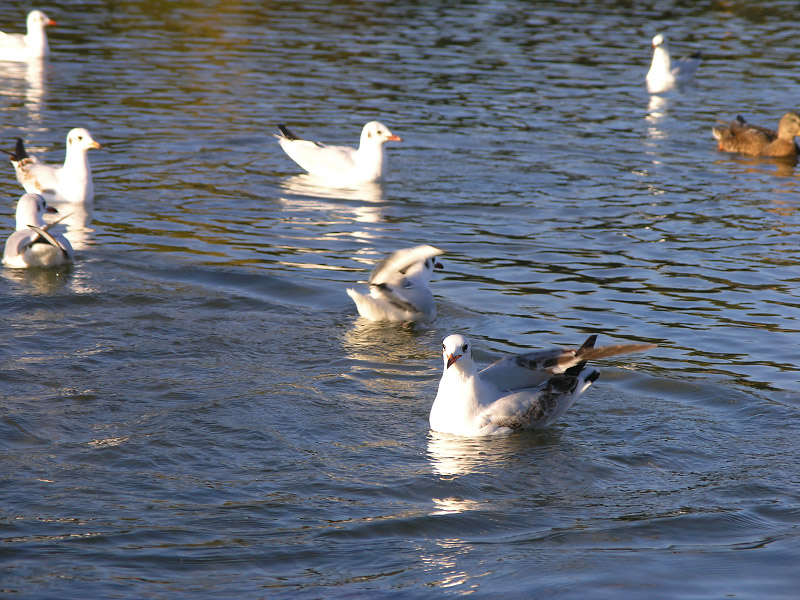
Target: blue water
[{"x": 195, "y": 409}]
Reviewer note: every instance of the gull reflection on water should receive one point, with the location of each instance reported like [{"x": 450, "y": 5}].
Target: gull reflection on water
[
  {"x": 24, "y": 80},
  {"x": 308, "y": 185},
  {"x": 453, "y": 456},
  {"x": 77, "y": 218}
]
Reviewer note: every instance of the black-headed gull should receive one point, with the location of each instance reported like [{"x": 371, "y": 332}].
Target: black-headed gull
[
  {"x": 342, "y": 165},
  {"x": 71, "y": 182},
  {"x": 524, "y": 391},
  {"x": 19, "y": 47},
  {"x": 664, "y": 73},
  {"x": 739, "y": 136},
  {"x": 32, "y": 245},
  {"x": 398, "y": 287}
]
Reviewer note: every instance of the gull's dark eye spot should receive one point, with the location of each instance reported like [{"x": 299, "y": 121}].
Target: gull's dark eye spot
[
  {"x": 443, "y": 348},
  {"x": 466, "y": 347}
]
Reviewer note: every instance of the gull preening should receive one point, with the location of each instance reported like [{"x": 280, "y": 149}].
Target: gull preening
[
  {"x": 32, "y": 245},
  {"x": 71, "y": 182},
  {"x": 524, "y": 391},
  {"x": 32, "y": 45},
  {"x": 342, "y": 165},
  {"x": 744, "y": 138},
  {"x": 665, "y": 73},
  {"x": 398, "y": 287}
]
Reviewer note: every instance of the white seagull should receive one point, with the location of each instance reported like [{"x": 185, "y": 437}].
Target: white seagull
[
  {"x": 525, "y": 391},
  {"x": 71, "y": 182},
  {"x": 664, "y": 73},
  {"x": 18, "y": 47},
  {"x": 342, "y": 165},
  {"x": 398, "y": 287},
  {"x": 32, "y": 245}
]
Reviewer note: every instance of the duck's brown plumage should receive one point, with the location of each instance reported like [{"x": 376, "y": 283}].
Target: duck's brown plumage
[{"x": 753, "y": 140}]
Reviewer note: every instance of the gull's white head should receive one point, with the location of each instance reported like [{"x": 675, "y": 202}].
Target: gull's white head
[
  {"x": 658, "y": 40},
  {"x": 424, "y": 267},
  {"x": 30, "y": 211},
  {"x": 38, "y": 20},
  {"x": 378, "y": 133},
  {"x": 82, "y": 139},
  {"x": 456, "y": 352}
]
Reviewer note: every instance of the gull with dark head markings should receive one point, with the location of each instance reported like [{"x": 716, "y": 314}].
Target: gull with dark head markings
[
  {"x": 71, "y": 182},
  {"x": 525, "y": 391},
  {"x": 398, "y": 286},
  {"x": 32, "y": 45},
  {"x": 342, "y": 165},
  {"x": 32, "y": 245}
]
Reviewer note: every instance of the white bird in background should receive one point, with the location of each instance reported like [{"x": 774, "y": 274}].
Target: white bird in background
[
  {"x": 524, "y": 391},
  {"x": 71, "y": 182},
  {"x": 398, "y": 287},
  {"x": 18, "y": 47},
  {"x": 342, "y": 165},
  {"x": 32, "y": 245},
  {"x": 664, "y": 73}
]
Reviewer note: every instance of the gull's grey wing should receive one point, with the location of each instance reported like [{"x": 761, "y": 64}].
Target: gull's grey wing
[
  {"x": 44, "y": 234},
  {"x": 534, "y": 368}
]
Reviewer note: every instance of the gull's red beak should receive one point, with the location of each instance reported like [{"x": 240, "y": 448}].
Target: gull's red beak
[
  {"x": 51, "y": 209},
  {"x": 451, "y": 359},
  {"x": 394, "y": 138},
  {"x": 50, "y": 22}
]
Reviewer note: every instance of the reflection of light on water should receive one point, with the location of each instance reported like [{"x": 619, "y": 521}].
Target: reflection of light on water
[
  {"x": 449, "y": 506},
  {"x": 13, "y": 75},
  {"x": 452, "y": 455},
  {"x": 445, "y": 563},
  {"x": 656, "y": 107},
  {"x": 656, "y": 110},
  {"x": 76, "y": 218},
  {"x": 306, "y": 185}
]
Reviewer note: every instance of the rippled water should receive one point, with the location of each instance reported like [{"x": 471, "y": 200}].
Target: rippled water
[{"x": 195, "y": 409}]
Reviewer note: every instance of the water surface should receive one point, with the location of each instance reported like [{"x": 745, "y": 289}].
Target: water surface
[{"x": 195, "y": 409}]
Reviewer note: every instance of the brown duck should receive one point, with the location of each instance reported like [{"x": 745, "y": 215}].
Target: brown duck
[{"x": 744, "y": 138}]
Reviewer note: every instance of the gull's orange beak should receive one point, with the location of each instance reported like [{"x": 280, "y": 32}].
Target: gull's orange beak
[
  {"x": 394, "y": 138},
  {"x": 50, "y": 22},
  {"x": 451, "y": 359}
]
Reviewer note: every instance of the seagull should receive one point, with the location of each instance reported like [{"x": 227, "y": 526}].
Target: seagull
[
  {"x": 342, "y": 165},
  {"x": 32, "y": 245},
  {"x": 69, "y": 183},
  {"x": 739, "y": 136},
  {"x": 664, "y": 73},
  {"x": 18, "y": 47},
  {"x": 398, "y": 287},
  {"x": 524, "y": 391}
]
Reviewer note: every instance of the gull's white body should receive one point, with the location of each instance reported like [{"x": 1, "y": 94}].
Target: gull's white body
[
  {"x": 526, "y": 391},
  {"x": 342, "y": 165},
  {"x": 33, "y": 45},
  {"x": 664, "y": 73},
  {"x": 29, "y": 248},
  {"x": 71, "y": 182},
  {"x": 398, "y": 287}
]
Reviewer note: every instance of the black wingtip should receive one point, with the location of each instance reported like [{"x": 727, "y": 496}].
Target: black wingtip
[
  {"x": 286, "y": 132},
  {"x": 19, "y": 151},
  {"x": 588, "y": 344}
]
